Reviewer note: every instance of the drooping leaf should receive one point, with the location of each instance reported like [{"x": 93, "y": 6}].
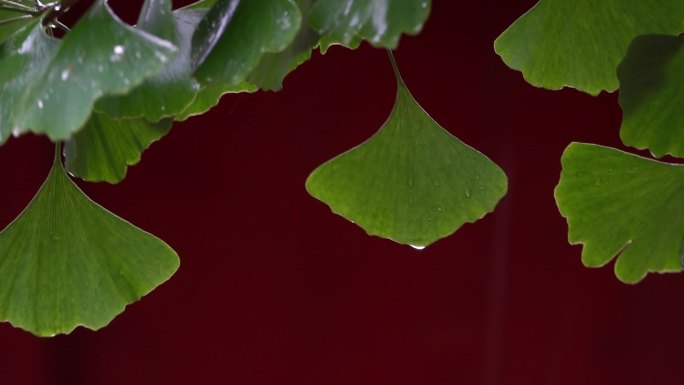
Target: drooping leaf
[
  {"x": 105, "y": 147},
  {"x": 381, "y": 22},
  {"x": 412, "y": 182},
  {"x": 23, "y": 59},
  {"x": 580, "y": 43},
  {"x": 273, "y": 67},
  {"x": 172, "y": 90},
  {"x": 652, "y": 95},
  {"x": 623, "y": 206},
  {"x": 10, "y": 23},
  {"x": 67, "y": 262},
  {"x": 100, "y": 56},
  {"x": 221, "y": 52}
]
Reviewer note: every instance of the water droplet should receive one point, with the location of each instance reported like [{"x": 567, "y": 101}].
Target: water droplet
[
  {"x": 117, "y": 54},
  {"x": 597, "y": 182},
  {"x": 481, "y": 188},
  {"x": 410, "y": 182},
  {"x": 162, "y": 58},
  {"x": 65, "y": 74},
  {"x": 440, "y": 209},
  {"x": 16, "y": 132},
  {"x": 40, "y": 104},
  {"x": 418, "y": 247},
  {"x": 477, "y": 176},
  {"x": 436, "y": 182},
  {"x": 468, "y": 193},
  {"x": 100, "y": 68}
]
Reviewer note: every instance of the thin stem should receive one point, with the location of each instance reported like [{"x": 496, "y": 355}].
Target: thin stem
[
  {"x": 9, "y": 5},
  {"x": 60, "y": 25},
  {"x": 394, "y": 66},
  {"x": 16, "y": 18},
  {"x": 58, "y": 153}
]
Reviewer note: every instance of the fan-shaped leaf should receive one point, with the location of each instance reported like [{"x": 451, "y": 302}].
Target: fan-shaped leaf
[
  {"x": 652, "y": 95},
  {"x": 65, "y": 262},
  {"x": 619, "y": 204},
  {"x": 580, "y": 43},
  {"x": 411, "y": 182},
  {"x": 105, "y": 147}
]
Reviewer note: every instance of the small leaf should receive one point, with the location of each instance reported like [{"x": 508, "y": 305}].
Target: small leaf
[
  {"x": 172, "y": 90},
  {"x": 580, "y": 43},
  {"x": 625, "y": 206},
  {"x": 221, "y": 51},
  {"x": 100, "y": 56},
  {"x": 381, "y": 22},
  {"x": 67, "y": 262},
  {"x": 105, "y": 147},
  {"x": 412, "y": 182},
  {"x": 652, "y": 95}
]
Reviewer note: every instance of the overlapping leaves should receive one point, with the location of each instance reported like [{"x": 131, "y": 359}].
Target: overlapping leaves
[{"x": 580, "y": 43}]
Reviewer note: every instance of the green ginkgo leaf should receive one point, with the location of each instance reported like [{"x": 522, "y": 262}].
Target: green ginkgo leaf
[
  {"x": 412, "y": 182},
  {"x": 105, "y": 147},
  {"x": 67, "y": 262},
  {"x": 580, "y": 43},
  {"x": 623, "y": 206},
  {"x": 381, "y": 22},
  {"x": 234, "y": 35},
  {"x": 100, "y": 56},
  {"x": 173, "y": 89},
  {"x": 652, "y": 95}
]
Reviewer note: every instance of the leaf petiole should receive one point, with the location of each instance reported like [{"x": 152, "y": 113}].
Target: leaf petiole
[{"x": 16, "y": 18}]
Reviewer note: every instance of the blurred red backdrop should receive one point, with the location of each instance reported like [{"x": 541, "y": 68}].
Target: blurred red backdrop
[{"x": 275, "y": 289}]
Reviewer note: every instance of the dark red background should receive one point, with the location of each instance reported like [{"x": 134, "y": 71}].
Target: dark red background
[{"x": 274, "y": 289}]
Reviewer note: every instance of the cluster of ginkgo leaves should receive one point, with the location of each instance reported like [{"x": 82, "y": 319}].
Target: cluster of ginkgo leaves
[
  {"x": 617, "y": 204},
  {"x": 104, "y": 91}
]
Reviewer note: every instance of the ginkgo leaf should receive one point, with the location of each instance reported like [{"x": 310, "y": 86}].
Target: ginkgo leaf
[
  {"x": 652, "y": 95},
  {"x": 100, "y": 56},
  {"x": 220, "y": 50},
  {"x": 623, "y": 206},
  {"x": 173, "y": 89},
  {"x": 105, "y": 147},
  {"x": 67, "y": 262},
  {"x": 381, "y": 22},
  {"x": 580, "y": 43},
  {"x": 412, "y": 182}
]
